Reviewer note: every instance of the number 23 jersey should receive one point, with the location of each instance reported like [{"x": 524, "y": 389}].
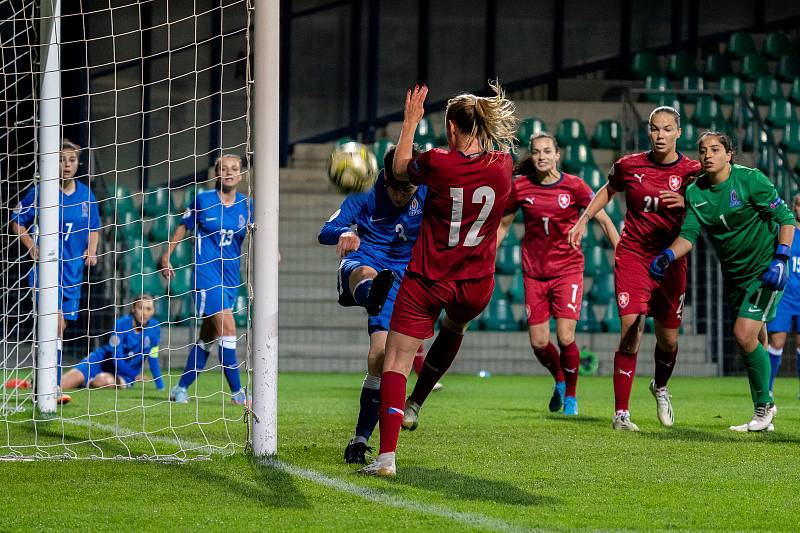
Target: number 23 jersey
[
  {"x": 466, "y": 199},
  {"x": 650, "y": 226},
  {"x": 219, "y": 233}
]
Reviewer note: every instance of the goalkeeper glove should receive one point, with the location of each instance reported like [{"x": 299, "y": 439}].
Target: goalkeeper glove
[
  {"x": 659, "y": 265},
  {"x": 775, "y": 276}
]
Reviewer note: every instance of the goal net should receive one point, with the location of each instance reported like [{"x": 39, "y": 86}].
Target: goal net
[{"x": 151, "y": 93}]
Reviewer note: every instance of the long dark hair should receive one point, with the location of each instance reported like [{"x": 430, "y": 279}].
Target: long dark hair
[{"x": 526, "y": 167}]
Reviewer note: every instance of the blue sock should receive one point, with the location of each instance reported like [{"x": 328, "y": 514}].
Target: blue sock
[
  {"x": 775, "y": 365},
  {"x": 370, "y": 406},
  {"x": 58, "y": 366},
  {"x": 362, "y": 291},
  {"x": 227, "y": 356},
  {"x": 196, "y": 361}
]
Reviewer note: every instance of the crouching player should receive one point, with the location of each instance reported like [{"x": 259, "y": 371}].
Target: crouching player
[
  {"x": 120, "y": 362},
  {"x": 788, "y": 316},
  {"x": 740, "y": 211},
  {"x": 373, "y": 233}
]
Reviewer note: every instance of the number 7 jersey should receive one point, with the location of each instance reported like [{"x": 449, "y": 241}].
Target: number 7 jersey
[{"x": 466, "y": 199}]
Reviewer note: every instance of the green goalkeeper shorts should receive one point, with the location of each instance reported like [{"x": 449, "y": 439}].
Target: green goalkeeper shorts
[{"x": 751, "y": 300}]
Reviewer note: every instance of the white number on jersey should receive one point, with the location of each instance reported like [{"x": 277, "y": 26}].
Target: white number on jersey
[
  {"x": 546, "y": 222},
  {"x": 795, "y": 264},
  {"x": 225, "y": 237},
  {"x": 69, "y": 230},
  {"x": 650, "y": 204},
  {"x": 401, "y": 232},
  {"x": 482, "y": 195}
]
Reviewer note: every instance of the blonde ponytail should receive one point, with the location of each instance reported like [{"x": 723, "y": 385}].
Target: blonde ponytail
[{"x": 490, "y": 119}]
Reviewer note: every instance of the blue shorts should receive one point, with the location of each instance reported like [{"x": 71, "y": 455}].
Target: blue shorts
[
  {"x": 211, "y": 301},
  {"x": 787, "y": 317},
  {"x": 95, "y": 364},
  {"x": 374, "y": 323},
  {"x": 69, "y": 307}
]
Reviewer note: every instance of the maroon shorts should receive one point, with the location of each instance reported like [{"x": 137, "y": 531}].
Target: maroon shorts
[
  {"x": 420, "y": 302},
  {"x": 560, "y": 297},
  {"x": 638, "y": 293}
]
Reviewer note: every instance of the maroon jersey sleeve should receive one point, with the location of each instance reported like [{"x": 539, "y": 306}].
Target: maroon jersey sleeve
[
  {"x": 616, "y": 177},
  {"x": 418, "y": 169},
  {"x": 513, "y": 203}
]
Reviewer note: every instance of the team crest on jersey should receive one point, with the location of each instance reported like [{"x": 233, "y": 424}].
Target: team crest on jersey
[
  {"x": 85, "y": 209},
  {"x": 146, "y": 342},
  {"x": 623, "y": 299},
  {"x": 563, "y": 200},
  {"x": 675, "y": 183},
  {"x": 242, "y": 221},
  {"x": 735, "y": 202},
  {"x": 415, "y": 208}
]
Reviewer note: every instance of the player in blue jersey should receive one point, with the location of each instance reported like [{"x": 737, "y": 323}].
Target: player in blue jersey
[
  {"x": 374, "y": 233},
  {"x": 79, "y": 222},
  {"x": 788, "y": 316},
  {"x": 136, "y": 337},
  {"x": 219, "y": 218}
]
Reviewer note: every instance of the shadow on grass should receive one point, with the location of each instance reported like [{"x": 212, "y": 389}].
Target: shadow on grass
[
  {"x": 464, "y": 487},
  {"x": 723, "y": 434}
]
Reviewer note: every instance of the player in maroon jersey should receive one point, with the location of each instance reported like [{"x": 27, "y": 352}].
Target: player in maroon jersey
[
  {"x": 654, "y": 183},
  {"x": 452, "y": 262},
  {"x": 551, "y": 202}
]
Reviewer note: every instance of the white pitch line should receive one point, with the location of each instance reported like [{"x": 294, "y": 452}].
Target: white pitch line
[{"x": 469, "y": 519}]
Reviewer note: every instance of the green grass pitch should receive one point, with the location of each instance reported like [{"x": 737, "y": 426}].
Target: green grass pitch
[{"x": 487, "y": 456}]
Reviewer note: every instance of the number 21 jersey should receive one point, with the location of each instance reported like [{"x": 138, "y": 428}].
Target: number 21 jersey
[{"x": 466, "y": 199}]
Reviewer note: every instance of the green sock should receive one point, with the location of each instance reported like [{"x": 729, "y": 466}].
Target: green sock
[{"x": 758, "y": 371}]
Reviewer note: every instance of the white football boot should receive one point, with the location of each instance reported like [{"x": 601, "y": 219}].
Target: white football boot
[
  {"x": 382, "y": 466},
  {"x": 663, "y": 405},
  {"x": 622, "y": 422}
]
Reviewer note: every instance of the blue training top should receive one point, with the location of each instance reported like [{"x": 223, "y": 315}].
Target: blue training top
[
  {"x": 791, "y": 295},
  {"x": 128, "y": 346},
  {"x": 78, "y": 215},
  {"x": 219, "y": 233},
  {"x": 387, "y": 232}
]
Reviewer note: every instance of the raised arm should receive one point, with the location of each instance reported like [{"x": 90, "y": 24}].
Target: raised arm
[{"x": 414, "y": 111}]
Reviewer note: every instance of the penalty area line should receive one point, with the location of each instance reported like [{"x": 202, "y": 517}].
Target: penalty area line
[{"x": 469, "y": 519}]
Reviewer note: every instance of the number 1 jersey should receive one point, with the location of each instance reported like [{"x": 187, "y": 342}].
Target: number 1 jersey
[{"x": 466, "y": 199}]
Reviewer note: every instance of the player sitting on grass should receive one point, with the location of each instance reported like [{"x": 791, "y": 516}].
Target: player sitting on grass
[
  {"x": 373, "y": 233},
  {"x": 741, "y": 212},
  {"x": 788, "y": 316},
  {"x": 120, "y": 362}
]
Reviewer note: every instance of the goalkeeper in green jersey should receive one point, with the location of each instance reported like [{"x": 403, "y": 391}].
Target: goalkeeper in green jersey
[{"x": 751, "y": 230}]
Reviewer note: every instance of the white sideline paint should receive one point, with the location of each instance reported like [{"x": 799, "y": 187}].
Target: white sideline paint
[{"x": 469, "y": 519}]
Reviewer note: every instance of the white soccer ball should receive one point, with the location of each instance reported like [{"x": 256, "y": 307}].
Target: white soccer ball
[{"x": 352, "y": 167}]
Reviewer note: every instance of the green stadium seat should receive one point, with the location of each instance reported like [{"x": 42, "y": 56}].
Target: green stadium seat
[
  {"x": 575, "y": 156},
  {"x": 516, "y": 289},
  {"x": 791, "y": 137},
  {"x": 595, "y": 261},
  {"x": 687, "y": 142},
  {"x": 777, "y": 44},
  {"x": 731, "y": 88},
  {"x": 129, "y": 227},
  {"x": 706, "y": 111},
  {"x": 781, "y": 112},
  {"x": 379, "y": 148},
  {"x": 645, "y": 64},
  {"x": 593, "y": 177},
  {"x": 182, "y": 255},
  {"x": 587, "y": 321},
  {"x": 591, "y": 239},
  {"x": 680, "y": 65},
  {"x": 571, "y": 131},
  {"x": 162, "y": 228},
  {"x": 659, "y": 84},
  {"x": 695, "y": 85},
  {"x": 781, "y": 178},
  {"x": 611, "y": 317},
  {"x": 424, "y": 130},
  {"x": 182, "y": 309},
  {"x": 643, "y": 136},
  {"x": 498, "y": 315},
  {"x": 602, "y": 288},
  {"x": 147, "y": 281},
  {"x": 182, "y": 282},
  {"x": 740, "y": 44},
  {"x": 241, "y": 307},
  {"x": 672, "y": 101},
  {"x": 607, "y": 135},
  {"x": 794, "y": 92},
  {"x": 163, "y": 308},
  {"x": 527, "y": 128},
  {"x": 118, "y": 204},
  {"x": 765, "y": 159},
  {"x": 754, "y": 136},
  {"x": 135, "y": 258},
  {"x": 753, "y": 67},
  {"x": 509, "y": 255},
  {"x": 766, "y": 89},
  {"x": 156, "y": 202},
  {"x": 788, "y": 68},
  {"x": 717, "y": 66},
  {"x": 723, "y": 126},
  {"x": 614, "y": 212}
]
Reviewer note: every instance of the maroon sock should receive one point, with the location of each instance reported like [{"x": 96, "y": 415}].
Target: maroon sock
[
  {"x": 440, "y": 356},
  {"x": 549, "y": 358},
  {"x": 665, "y": 364},
  {"x": 393, "y": 396},
  {"x": 419, "y": 359},
  {"x": 570, "y": 361},
  {"x": 624, "y": 370}
]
